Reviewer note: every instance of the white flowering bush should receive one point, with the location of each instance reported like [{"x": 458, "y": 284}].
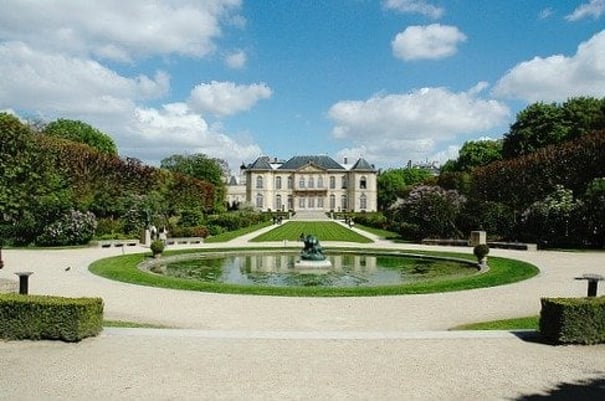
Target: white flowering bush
[
  {"x": 428, "y": 212},
  {"x": 73, "y": 228}
]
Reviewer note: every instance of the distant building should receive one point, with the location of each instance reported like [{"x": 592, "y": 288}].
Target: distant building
[{"x": 305, "y": 183}]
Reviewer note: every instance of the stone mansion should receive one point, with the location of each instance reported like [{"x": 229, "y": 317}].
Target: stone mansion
[{"x": 305, "y": 183}]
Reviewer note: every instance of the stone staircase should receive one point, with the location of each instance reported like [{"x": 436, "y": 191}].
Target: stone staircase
[{"x": 307, "y": 215}]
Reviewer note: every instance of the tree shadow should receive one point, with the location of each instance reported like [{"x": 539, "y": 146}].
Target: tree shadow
[{"x": 584, "y": 390}]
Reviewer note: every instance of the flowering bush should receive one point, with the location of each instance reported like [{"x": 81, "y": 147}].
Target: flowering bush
[
  {"x": 428, "y": 211},
  {"x": 73, "y": 228}
]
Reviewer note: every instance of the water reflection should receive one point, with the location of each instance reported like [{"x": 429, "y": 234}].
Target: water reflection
[{"x": 278, "y": 269}]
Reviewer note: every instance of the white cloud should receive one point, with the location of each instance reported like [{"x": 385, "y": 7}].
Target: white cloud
[
  {"x": 414, "y": 6},
  {"x": 116, "y": 29},
  {"x": 236, "y": 60},
  {"x": 226, "y": 98},
  {"x": 433, "y": 41},
  {"x": 174, "y": 127},
  {"x": 46, "y": 81},
  {"x": 545, "y": 13},
  {"x": 594, "y": 9},
  {"x": 558, "y": 77},
  {"x": 390, "y": 127}
]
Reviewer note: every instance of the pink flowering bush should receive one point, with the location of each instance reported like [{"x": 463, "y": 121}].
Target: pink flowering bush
[{"x": 73, "y": 228}]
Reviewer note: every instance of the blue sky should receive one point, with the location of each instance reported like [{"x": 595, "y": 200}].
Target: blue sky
[{"x": 389, "y": 80}]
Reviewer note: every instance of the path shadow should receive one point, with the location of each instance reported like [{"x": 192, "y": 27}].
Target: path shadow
[{"x": 584, "y": 390}]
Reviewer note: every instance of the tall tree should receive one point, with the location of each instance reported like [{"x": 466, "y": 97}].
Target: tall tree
[
  {"x": 393, "y": 183},
  {"x": 203, "y": 168},
  {"x": 78, "y": 131},
  {"x": 475, "y": 154}
]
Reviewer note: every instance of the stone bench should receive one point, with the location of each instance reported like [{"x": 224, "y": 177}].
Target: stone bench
[
  {"x": 117, "y": 243},
  {"x": 519, "y": 246},
  {"x": 441, "y": 241},
  {"x": 184, "y": 241}
]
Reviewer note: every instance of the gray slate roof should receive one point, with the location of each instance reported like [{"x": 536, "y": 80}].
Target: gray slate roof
[
  {"x": 362, "y": 164},
  {"x": 262, "y": 163},
  {"x": 321, "y": 161}
]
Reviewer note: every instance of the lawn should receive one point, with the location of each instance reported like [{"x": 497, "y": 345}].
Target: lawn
[
  {"x": 521, "y": 323},
  {"x": 323, "y": 230},
  {"x": 229, "y": 235}
]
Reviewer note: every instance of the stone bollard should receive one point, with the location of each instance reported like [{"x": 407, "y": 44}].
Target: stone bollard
[
  {"x": 477, "y": 238},
  {"x": 593, "y": 281}
]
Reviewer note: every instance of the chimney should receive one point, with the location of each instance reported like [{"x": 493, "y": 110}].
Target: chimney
[{"x": 346, "y": 160}]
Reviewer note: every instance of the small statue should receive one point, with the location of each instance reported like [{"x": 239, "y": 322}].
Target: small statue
[{"x": 312, "y": 249}]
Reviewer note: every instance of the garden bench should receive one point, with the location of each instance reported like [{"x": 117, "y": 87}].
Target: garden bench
[{"x": 520, "y": 246}]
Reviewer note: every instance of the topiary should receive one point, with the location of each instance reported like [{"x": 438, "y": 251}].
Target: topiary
[
  {"x": 157, "y": 247},
  {"x": 481, "y": 251}
]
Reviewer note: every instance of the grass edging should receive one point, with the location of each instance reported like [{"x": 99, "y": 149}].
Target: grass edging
[
  {"x": 519, "y": 323},
  {"x": 502, "y": 271}
]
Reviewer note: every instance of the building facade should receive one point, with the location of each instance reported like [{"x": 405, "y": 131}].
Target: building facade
[{"x": 306, "y": 183}]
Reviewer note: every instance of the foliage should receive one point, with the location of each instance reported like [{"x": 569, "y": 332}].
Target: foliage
[
  {"x": 593, "y": 211},
  {"x": 78, "y": 131},
  {"x": 203, "y": 168},
  {"x": 37, "y": 317},
  {"x": 480, "y": 251},
  {"x": 549, "y": 221},
  {"x": 573, "y": 320},
  {"x": 522, "y": 181},
  {"x": 375, "y": 219},
  {"x": 541, "y": 124},
  {"x": 157, "y": 247},
  {"x": 475, "y": 154},
  {"x": 73, "y": 228},
  {"x": 428, "y": 212},
  {"x": 393, "y": 183}
]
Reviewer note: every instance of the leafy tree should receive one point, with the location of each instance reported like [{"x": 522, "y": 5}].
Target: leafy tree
[
  {"x": 542, "y": 124},
  {"x": 78, "y": 131},
  {"x": 203, "y": 168},
  {"x": 475, "y": 154},
  {"x": 593, "y": 210},
  {"x": 536, "y": 126},
  {"x": 393, "y": 184}
]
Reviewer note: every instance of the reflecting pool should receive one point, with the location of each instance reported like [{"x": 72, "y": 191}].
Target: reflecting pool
[{"x": 278, "y": 269}]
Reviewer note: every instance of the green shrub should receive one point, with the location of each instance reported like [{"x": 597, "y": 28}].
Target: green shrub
[
  {"x": 73, "y": 228},
  {"x": 157, "y": 247},
  {"x": 573, "y": 320},
  {"x": 480, "y": 251},
  {"x": 37, "y": 317}
]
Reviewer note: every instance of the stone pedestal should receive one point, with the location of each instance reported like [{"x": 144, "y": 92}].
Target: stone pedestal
[
  {"x": 477, "y": 238},
  {"x": 146, "y": 240}
]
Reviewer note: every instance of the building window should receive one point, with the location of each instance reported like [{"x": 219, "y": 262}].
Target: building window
[
  {"x": 343, "y": 182},
  {"x": 301, "y": 182},
  {"x": 320, "y": 202},
  {"x": 332, "y": 202},
  {"x": 259, "y": 182},
  {"x": 289, "y": 182},
  {"x": 278, "y": 204},
  {"x": 311, "y": 203},
  {"x": 311, "y": 182},
  {"x": 363, "y": 183},
  {"x": 363, "y": 202},
  {"x": 290, "y": 202},
  {"x": 277, "y": 182},
  {"x": 301, "y": 202},
  {"x": 320, "y": 182},
  {"x": 259, "y": 201},
  {"x": 332, "y": 182},
  {"x": 343, "y": 202}
]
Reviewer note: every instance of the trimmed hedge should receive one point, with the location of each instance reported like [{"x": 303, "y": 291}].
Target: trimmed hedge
[
  {"x": 37, "y": 317},
  {"x": 573, "y": 320}
]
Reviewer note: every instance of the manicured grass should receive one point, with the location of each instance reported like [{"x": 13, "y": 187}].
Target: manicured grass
[
  {"x": 323, "y": 230},
  {"x": 229, "y": 235},
  {"x": 502, "y": 271},
  {"x": 521, "y": 323},
  {"x": 380, "y": 233},
  {"x": 132, "y": 325}
]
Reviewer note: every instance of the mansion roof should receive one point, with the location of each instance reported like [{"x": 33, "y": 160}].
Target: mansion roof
[{"x": 321, "y": 161}]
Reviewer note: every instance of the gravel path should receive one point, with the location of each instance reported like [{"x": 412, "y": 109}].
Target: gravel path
[{"x": 260, "y": 347}]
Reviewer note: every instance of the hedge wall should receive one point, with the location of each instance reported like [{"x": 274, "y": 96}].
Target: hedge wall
[
  {"x": 521, "y": 181},
  {"x": 573, "y": 320},
  {"x": 37, "y": 317}
]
